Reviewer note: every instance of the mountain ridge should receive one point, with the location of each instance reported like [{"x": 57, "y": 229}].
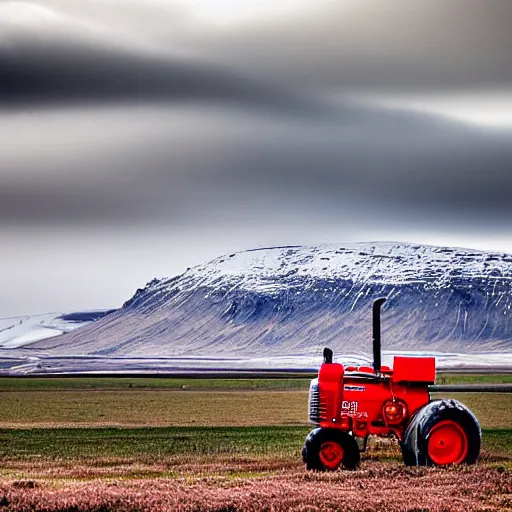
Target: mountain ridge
[{"x": 294, "y": 300}]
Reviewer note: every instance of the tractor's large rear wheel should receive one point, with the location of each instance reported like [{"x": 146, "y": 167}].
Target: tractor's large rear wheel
[
  {"x": 443, "y": 432},
  {"x": 327, "y": 449}
]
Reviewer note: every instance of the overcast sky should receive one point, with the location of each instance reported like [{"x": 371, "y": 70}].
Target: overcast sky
[{"x": 141, "y": 137}]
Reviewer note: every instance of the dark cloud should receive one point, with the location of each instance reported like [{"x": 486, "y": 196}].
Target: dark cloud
[
  {"x": 75, "y": 72},
  {"x": 401, "y": 45},
  {"x": 378, "y": 162}
]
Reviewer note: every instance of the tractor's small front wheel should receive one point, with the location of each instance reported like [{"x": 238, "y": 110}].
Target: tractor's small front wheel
[
  {"x": 443, "y": 432},
  {"x": 327, "y": 449}
]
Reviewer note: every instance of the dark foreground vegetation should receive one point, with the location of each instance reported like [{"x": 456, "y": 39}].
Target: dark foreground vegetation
[{"x": 233, "y": 486}]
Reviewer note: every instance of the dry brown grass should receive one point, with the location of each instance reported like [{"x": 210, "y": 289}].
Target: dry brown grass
[
  {"x": 152, "y": 408},
  {"x": 493, "y": 410},
  {"x": 187, "y": 408},
  {"x": 260, "y": 486}
]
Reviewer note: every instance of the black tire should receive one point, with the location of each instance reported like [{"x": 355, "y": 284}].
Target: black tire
[
  {"x": 317, "y": 438},
  {"x": 415, "y": 445}
]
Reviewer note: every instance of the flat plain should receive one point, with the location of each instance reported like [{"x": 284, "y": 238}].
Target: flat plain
[{"x": 218, "y": 445}]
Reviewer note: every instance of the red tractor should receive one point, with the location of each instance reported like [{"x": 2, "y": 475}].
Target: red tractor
[{"x": 356, "y": 402}]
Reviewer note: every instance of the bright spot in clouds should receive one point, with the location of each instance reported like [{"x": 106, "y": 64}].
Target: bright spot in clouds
[
  {"x": 234, "y": 10},
  {"x": 489, "y": 110}
]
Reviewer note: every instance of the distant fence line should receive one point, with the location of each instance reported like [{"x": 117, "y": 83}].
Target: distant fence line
[{"x": 470, "y": 388}]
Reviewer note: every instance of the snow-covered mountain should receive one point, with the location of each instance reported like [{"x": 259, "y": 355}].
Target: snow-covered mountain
[{"x": 292, "y": 301}]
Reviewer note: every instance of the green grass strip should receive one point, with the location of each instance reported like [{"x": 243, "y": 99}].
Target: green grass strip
[{"x": 161, "y": 442}]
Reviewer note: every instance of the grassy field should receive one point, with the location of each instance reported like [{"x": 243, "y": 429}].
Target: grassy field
[
  {"x": 98, "y": 445},
  {"x": 160, "y": 443},
  {"x": 152, "y": 408},
  {"x": 221, "y": 469},
  {"x": 125, "y": 383},
  {"x": 150, "y": 444},
  {"x": 135, "y": 407},
  {"x": 474, "y": 378}
]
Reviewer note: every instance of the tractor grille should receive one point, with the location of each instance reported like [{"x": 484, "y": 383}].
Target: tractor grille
[{"x": 317, "y": 404}]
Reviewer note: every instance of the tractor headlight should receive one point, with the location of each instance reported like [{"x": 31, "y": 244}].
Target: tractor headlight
[{"x": 394, "y": 412}]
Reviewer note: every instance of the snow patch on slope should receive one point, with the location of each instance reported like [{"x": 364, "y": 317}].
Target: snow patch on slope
[{"x": 20, "y": 331}]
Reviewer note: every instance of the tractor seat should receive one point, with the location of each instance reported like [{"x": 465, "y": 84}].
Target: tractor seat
[{"x": 367, "y": 369}]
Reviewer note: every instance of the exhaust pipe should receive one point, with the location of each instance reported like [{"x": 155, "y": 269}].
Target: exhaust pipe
[
  {"x": 327, "y": 355},
  {"x": 376, "y": 334}
]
